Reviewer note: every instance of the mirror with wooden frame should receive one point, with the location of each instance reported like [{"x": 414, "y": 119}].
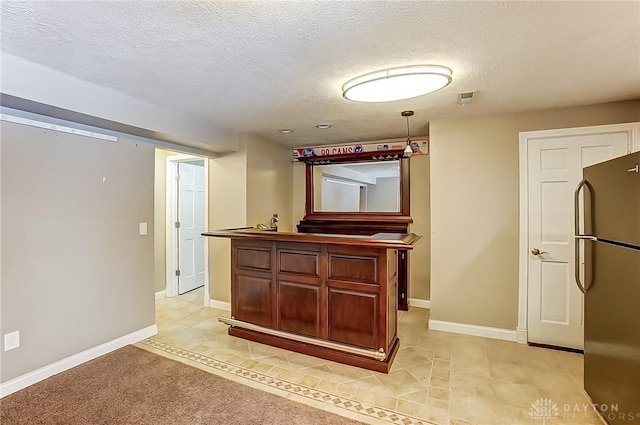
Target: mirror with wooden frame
[
  {"x": 357, "y": 187},
  {"x": 358, "y": 196}
]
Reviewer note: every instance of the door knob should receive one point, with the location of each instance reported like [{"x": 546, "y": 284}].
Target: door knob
[{"x": 536, "y": 252}]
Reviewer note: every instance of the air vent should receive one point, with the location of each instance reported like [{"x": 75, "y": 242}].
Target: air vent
[{"x": 466, "y": 98}]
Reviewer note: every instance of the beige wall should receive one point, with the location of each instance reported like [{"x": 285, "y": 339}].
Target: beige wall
[
  {"x": 420, "y": 257},
  {"x": 475, "y": 208},
  {"x": 75, "y": 271},
  {"x": 269, "y": 188},
  {"x": 246, "y": 188},
  {"x": 227, "y": 209}
]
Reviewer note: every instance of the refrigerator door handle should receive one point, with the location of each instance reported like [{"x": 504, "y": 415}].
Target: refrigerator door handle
[
  {"x": 576, "y": 262},
  {"x": 578, "y": 237},
  {"x": 577, "y": 268},
  {"x": 576, "y": 206}
]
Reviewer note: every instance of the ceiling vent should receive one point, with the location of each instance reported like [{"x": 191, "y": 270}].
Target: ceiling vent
[{"x": 466, "y": 98}]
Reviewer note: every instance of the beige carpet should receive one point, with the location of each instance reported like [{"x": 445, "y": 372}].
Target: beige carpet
[{"x": 134, "y": 386}]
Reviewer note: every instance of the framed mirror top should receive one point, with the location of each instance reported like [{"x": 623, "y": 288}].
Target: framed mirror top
[
  {"x": 359, "y": 187},
  {"x": 358, "y": 190}
]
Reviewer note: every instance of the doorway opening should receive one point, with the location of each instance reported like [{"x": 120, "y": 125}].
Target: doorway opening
[{"x": 182, "y": 265}]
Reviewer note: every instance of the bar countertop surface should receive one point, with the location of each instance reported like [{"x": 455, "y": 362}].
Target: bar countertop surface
[{"x": 404, "y": 241}]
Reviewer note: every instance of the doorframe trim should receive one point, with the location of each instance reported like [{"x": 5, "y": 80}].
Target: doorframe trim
[
  {"x": 632, "y": 128},
  {"x": 171, "y": 259}
]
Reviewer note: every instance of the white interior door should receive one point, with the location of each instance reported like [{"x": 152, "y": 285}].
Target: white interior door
[
  {"x": 191, "y": 186},
  {"x": 555, "y": 305}
]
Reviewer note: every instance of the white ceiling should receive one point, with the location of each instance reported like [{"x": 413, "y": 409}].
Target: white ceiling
[{"x": 260, "y": 66}]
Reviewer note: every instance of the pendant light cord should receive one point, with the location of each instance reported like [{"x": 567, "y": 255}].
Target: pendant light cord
[{"x": 408, "y": 137}]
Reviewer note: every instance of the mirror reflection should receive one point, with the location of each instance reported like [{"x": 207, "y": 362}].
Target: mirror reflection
[{"x": 357, "y": 187}]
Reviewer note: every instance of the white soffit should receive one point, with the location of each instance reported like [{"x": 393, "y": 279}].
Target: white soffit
[{"x": 55, "y": 127}]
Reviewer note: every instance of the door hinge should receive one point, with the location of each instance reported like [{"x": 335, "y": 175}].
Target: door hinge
[
  {"x": 402, "y": 255},
  {"x": 177, "y": 272},
  {"x": 177, "y": 224},
  {"x": 177, "y": 176}
]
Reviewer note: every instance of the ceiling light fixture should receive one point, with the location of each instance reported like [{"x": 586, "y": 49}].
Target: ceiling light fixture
[
  {"x": 323, "y": 126},
  {"x": 408, "y": 151},
  {"x": 285, "y": 130},
  {"x": 397, "y": 83}
]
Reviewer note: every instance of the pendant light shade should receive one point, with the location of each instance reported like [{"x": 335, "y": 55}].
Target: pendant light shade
[
  {"x": 397, "y": 83},
  {"x": 408, "y": 151}
]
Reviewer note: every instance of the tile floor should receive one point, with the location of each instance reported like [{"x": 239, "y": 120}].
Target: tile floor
[{"x": 437, "y": 377}]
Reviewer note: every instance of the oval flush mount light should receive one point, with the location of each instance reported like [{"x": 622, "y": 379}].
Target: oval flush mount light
[
  {"x": 285, "y": 130},
  {"x": 323, "y": 126},
  {"x": 397, "y": 83}
]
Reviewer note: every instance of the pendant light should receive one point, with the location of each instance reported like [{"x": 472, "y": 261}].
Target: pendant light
[{"x": 408, "y": 151}]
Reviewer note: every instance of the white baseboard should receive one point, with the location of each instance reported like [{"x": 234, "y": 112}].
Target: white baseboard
[
  {"x": 220, "y": 305},
  {"x": 30, "y": 378},
  {"x": 419, "y": 303},
  {"x": 475, "y": 330},
  {"x": 161, "y": 294}
]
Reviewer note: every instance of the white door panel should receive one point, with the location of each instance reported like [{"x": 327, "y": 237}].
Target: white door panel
[
  {"x": 555, "y": 290},
  {"x": 191, "y": 187},
  {"x": 555, "y": 304}
]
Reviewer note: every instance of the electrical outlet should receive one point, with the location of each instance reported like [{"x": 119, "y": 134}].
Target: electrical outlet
[{"x": 11, "y": 340}]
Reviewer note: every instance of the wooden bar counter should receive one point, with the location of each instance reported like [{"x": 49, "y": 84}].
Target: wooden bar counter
[{"x": 330, "y": 296}]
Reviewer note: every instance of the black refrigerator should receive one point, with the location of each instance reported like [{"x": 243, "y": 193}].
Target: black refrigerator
[{"x": 608, "y": 243}]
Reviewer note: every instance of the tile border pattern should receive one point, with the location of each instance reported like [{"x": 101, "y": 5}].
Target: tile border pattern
[{"x": 333, "y": 400}]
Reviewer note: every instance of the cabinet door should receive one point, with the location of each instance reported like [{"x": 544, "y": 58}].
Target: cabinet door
[
  {"x": 299, "y": 308},
  {"x": 253, "y": 300},
  {"x": 353, "y": 315},
  {"x": 299, "y": 277},
  {"x": 253, "y": 288},
  {"x": 353, "y": 293}
]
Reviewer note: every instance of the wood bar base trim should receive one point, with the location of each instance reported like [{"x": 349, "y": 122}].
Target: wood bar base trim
[{"x": 324, "y": 353}]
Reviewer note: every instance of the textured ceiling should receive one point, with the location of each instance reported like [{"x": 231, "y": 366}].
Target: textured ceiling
[{"x": 261, "y": 66}]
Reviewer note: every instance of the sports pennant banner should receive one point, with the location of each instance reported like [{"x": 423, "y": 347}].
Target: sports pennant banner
[{"x": 419, "y": 146}]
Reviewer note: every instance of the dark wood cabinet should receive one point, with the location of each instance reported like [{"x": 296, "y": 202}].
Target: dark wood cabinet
[{"x": 334, "y": 289}]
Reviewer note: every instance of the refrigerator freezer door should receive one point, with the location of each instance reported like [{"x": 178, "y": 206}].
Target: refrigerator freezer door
[
  {"x": 615, "y": 200},
  {"x": 612, "y": 332}
]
